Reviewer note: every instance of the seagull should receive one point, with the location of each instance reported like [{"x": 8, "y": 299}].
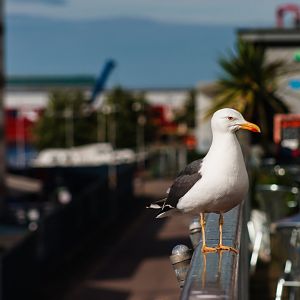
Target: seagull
[{"x": 215, "y": 184}]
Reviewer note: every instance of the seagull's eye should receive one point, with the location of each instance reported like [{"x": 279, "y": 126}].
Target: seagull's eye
[{"x": 230, "y": 118}]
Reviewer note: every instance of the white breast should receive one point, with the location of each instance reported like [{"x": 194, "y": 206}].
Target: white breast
[{"x": 224, "y": 181}]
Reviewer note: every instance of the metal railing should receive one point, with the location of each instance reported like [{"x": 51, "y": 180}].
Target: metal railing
[
  {"x": 62, "y": 232},
  {"x": 220, "y": 275}
]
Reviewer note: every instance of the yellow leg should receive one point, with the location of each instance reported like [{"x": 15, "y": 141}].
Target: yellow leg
[
  {"x": 221, "y": 246},
  {"x": 204, "y": 247},
  {"x": 204, "y": 271}
]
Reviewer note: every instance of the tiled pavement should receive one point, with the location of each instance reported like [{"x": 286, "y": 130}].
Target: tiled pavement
[{"x": 137, "y": 267}]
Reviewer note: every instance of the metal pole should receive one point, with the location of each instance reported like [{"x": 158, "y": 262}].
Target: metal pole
[
  {"x": 141, "y": 140},
  {"x": 69, "y": 127},
  {"x": 100, "y": 128},
  {"x": 20, "y": 133},
  {"x": 113, "y": 128},
  {"x": 72, "y": 126},
  {"x": 112, "y": 170},
  {"x": 65, "y": 115}
]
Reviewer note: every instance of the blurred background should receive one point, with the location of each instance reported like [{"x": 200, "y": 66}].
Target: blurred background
[{"x": 103, "y": 103}]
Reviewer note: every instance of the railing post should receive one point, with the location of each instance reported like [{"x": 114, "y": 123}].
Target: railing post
[{"x": 180, "y": 259}]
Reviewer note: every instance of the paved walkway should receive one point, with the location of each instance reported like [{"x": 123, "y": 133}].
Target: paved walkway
[{"x": 138, "y": 267}]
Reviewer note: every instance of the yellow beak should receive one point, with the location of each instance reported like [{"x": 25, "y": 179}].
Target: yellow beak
[{"x": 250, "y": 126}]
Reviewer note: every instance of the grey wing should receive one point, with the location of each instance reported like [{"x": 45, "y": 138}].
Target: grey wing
[
  {"x": 192, "y": 168},
  {"x": 180, "y": 187}
]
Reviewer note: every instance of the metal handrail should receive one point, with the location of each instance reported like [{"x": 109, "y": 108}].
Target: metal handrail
[{"x": 217, "y": 275}]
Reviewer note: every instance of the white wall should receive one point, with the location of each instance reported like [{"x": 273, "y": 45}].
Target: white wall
[{"x": 26, "y": 99}]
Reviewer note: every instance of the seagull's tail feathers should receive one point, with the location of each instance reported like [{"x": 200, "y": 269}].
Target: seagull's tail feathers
[
  {"x": 166, "y": 213},
  {"x": 166, "y": 209},
  {"x": 154, "y": 206},
  {"x": 158, "y": 204}
]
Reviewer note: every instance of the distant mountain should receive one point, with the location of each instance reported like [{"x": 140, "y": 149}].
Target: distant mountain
[{"x": 148, "y": 53}]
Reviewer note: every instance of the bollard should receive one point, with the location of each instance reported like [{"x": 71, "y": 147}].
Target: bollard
[
  {"x": 195, "y": 232},
  {"x": 180, "y": 259}
]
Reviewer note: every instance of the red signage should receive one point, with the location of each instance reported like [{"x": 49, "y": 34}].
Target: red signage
[{"x": 286, "y": 126}]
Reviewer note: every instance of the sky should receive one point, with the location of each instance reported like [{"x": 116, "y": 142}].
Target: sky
[
  {"x": 156, "y": 43},
  {"x": 183, "y": 11}
]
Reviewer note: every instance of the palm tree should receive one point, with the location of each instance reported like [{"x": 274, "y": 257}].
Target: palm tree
[
  {"x": 248, "y": 84},
  {"x": 128, "y": 119}
]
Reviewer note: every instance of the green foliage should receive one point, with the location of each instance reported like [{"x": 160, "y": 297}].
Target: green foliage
[
  {"x": 128, "y": 119},
  {"x": 249, "y": 84},
  {"x": 187, "y": 114},
  {"x": 64, "y": 122}
]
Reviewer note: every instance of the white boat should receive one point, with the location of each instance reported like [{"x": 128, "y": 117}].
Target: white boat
[{"x": 87, "y": 155}]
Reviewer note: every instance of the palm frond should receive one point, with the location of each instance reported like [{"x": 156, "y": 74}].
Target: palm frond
[{"x": 248, "y": 83}]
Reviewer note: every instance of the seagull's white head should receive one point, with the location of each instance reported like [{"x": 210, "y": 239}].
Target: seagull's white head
[{"x": 230, "y": 120}]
